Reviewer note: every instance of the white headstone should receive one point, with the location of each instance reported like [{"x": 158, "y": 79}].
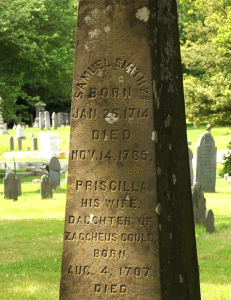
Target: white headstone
[
  {"x": 20, "y": 132},
  {"x": 48, "y": 144}
]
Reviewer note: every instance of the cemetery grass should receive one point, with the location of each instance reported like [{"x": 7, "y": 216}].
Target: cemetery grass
[{"x": 31, "y": 232}]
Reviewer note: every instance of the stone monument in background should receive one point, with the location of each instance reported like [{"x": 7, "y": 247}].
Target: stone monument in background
[
  {"x": 129, "y": 229},
  {"x": 40, "y": 107},
  {"x": 48, "y": 144},
  {"x": 206, "y": 162}
]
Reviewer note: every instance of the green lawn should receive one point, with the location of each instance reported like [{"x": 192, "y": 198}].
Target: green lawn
[{"x": 31, "y": 233}]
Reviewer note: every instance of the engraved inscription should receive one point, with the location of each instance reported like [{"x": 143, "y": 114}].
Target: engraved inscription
[
  {"x": 123, "y": 114},
  {"x": 79, "y": 270},
  {"x": 113, "y": 135},
  {"x": 110, "y": 289},
  {"x": 115, "y": 155},
  {"x": 111, "y": 186},
  {"x": 110, "y": 220},
  {"x": 109, "y": 253},
  {"x": 121, "y": 155},
  {"x": 101, "y": 65}
]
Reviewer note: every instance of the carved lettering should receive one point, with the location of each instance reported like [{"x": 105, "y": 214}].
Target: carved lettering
[
  {"x": 91, "y": 236},
  {"x": 137, "y": 237},
  {"x": 109, "y": 253},
  {"x": 113, "y": 135},
  {"x": 79, "y": 270},
  {"x": 87, "y": 114},
  {"x": 114, "y": 155},
  {"x": 110, "y": 289},
  {"x": 134, "y": 271},
  {"x": 121, "y": 203},
  {"x": 105, "y": 92},
  {"x": 112, "y": 186},
  {"x": 99, "y": 220},
  {"x": 90, "y": 203}
]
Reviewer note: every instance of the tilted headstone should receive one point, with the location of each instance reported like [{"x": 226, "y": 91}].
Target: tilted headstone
[
  {"x": 47, "y": 120},
  {"x": 206, "y": 162},
  {"x": 11, "y": 143},
  {"x": 129, "y": 229},
  {"x": 34, "y": 144},
  {"x": 48, "y": 144},
  {"x": 199, "y": 204},
  {"x": 190, "y": 154},
  {"x": 11, "y": 186},
  {"x": 209, "y": 221},
  {"x": 45, "y": 187},
  {"x": 54, "y": 120},
  {"x": 54, "y": 168}
]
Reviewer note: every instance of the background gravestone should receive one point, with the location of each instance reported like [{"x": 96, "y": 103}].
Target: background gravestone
[
  {"x": 209, "y": 221},
  {"x": 20, "y": 132},
  {"x": 62, "y": 118},
  {"x": 48, "y": 144},
  {"x": 54, "y": 120},
  {"x": 34, "y": 144},
  {"x": 45, "y": 187},
  {"x": 54, "y": 169},
  {"x": 129, "y": 229},
  {"x": 190, "y": 154},
  {"x": 66, "y": 121},
  {"x": 41, "y": 120},
  {"x": 47, "y": 120},
  {"x": 11, "y": 186},
  {"x": 40, "y": 107},
  {"x": 206, "y": 161},
  {"x": 20, "y": 143},
  {"x": 4, "y": 130},
  {"x": 59, "y": 120},
  {"x": 11, "y": 143},
  {"x": 199, "y": 204}
]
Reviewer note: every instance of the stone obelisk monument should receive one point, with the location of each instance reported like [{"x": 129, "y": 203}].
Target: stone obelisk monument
[{"x": 129, "y": 229}]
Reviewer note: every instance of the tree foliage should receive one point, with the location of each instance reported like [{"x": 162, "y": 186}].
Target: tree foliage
[
  {"x": 36, "y": 54},
  {"x": 206, "y": 44}
]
